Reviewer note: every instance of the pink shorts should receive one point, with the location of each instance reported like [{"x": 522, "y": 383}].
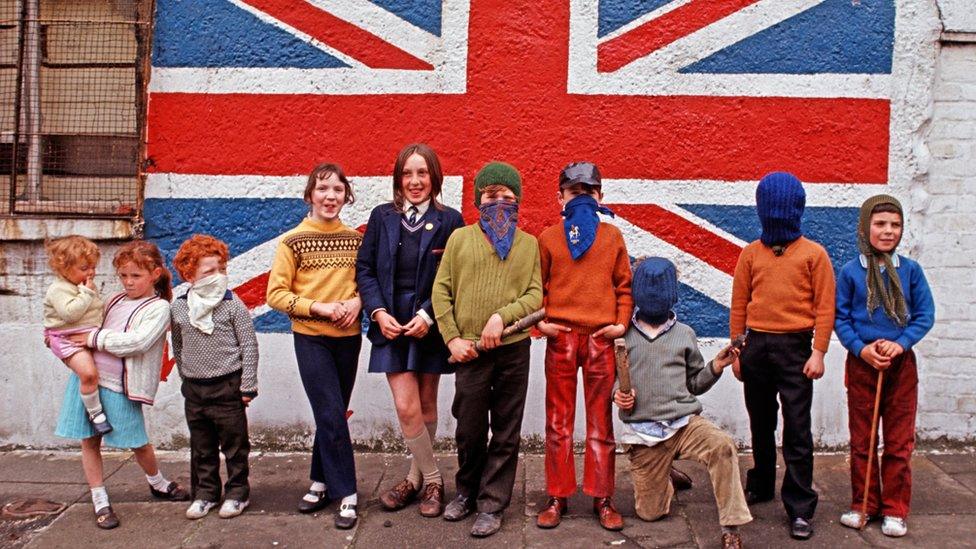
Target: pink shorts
[{"x": 61, "y": 346}]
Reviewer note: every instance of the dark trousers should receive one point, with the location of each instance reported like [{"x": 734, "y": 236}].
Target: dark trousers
[
  {"x": 772, "y": 364},
  {"x": 217, "y": 422},
  {"x": 327, "y": 366},
  {"x": 891, "y": 482},
  {"x": 566, "y": 354},
  {"x": 490, "y": 393}
]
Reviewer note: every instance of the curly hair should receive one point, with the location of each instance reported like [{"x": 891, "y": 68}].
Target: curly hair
[
  {"x": 196, "y": 248},
  {"x": 64, "y": 252},
  {"x": 146, "y": 256}
]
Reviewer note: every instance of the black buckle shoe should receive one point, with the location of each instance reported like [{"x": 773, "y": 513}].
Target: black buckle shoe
[
  {"x": 307, "y": 506},
  {"x": 174, "y": 492},
  {"x": 102, "y": 427},
  {"x": 105, "y": 518},
  {"x": 345, "y": 523},
  {"x": 801, "y": 529}
]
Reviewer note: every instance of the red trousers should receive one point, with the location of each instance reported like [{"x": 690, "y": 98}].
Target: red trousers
[
  {"x": 890, "y": 491},
  {"x": 566, "y": 353}
]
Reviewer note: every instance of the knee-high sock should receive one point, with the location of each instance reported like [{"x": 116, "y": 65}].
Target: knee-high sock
[
  {"x": 92, "y": 403},
  {"x": 414, "y": 475},
  {"x": 423, "y": 456}
]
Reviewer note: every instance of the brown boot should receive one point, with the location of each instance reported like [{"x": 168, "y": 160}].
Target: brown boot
[
  {"x": 552, "y": 513},
  {"x": 680, "y": 480},
  {"x": 432, "y": 502},
  {"x": 399, "y": 496},
  {"x": 731, "y": 540},
  {"x": 610, "y": 519}
]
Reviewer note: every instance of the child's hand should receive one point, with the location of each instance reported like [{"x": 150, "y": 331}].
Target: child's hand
[
  {"x": 462, "y": 350},
  {"x": 417, "y": 327},
  {"x": 491, "y": 335},
  {"x": 90, "y": 282},
  {"x": 610, "y": 331},
  {"x": 331, "y": 311},
  {"x": 350, "y": 312},
  {"x": 551, "y": 329},
  {"x": 624, "y": 401},
  {"x": 389, "y": 327},
  {"x": 726, "y": 357},
  {"x": 81, "y": 338},
  {"x": 814, "y": 368},
  {"x": 873, "y": 356},
  {"x": 889, "y": 349},
  {"x": 247, "y": 400}
]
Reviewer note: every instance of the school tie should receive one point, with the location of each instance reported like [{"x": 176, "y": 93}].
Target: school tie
[{"x": 412, "y": 219}]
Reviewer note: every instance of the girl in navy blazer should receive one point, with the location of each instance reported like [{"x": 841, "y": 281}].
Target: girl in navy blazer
[{"x": 395, "y": 270}]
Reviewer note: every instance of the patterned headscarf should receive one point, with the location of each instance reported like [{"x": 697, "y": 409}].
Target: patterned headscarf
[
  {"x": 498, "y": 220},
  {"x": 890, "y": 295}
]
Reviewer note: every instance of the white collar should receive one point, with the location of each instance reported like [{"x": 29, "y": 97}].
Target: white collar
[
  {"x": 654, "y": 332},
  {"x": 894, "y": 260},
  {"x": 421, "y": 208}
]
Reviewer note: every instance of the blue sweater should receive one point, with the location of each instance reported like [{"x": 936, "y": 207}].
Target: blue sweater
[{"x": 856, "y": 329}]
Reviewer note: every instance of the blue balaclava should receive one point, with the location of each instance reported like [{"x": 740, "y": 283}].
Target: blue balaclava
[
  {"x": 655, "y": 289},
  {"x": 779, "y": 202}
]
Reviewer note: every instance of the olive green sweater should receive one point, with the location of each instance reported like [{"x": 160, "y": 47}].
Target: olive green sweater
[{"x": 473, "y": 283}]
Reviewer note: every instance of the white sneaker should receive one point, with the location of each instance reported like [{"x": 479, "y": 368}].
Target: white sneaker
[
  {"x": 232, "y": 507},
  {"x": 894, "y": 527},
  {"x": 852, "y": 519},
  {"x": 199, "y": 509}
]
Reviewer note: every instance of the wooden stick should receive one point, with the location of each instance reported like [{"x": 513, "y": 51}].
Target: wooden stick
[
  {"x": 872, "y": 449},
  {"x": 519, "y": 325},
  {"x": 623, "y": 366}
]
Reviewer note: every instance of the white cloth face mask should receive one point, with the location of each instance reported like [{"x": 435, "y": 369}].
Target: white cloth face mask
[{"x": 203, "y": 296}]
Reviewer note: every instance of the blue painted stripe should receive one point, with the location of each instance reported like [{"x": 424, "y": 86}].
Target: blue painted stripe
[
  {"x": 425, "y": 14},
  {"x": 837, "y": 36},
  {"x": 614, "y": 14},
  {"x": 216, "y": 33},
  {"x": 242, "y": 223},
  {"x": 708, "y": 317}
]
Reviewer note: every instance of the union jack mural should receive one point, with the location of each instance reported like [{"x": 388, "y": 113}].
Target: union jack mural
[{"x": 684, "y": 105}]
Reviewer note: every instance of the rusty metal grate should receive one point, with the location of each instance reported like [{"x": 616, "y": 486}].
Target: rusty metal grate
[{"x": 73, "y": 77}]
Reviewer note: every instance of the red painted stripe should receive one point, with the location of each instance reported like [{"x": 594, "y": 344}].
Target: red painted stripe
[
  {"x": 253, "y": 292},
  {"x": 657, "y": 33},
  {"x": 683, "y": 234},
  {"x": 341, "y": 35},
  {"x": 724, "y": 138}
]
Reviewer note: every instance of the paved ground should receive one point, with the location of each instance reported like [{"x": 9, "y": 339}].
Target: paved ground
[{"x": 943, "y": 514}]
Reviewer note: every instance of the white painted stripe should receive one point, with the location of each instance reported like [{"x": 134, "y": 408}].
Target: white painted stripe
[
  {"x": 728, "y": 193},
  {"x": 383, "y": 24},
  {"x": 264, "y": 17},
  {"x": 691, "y": 270},
  {"x": 345, "y": 81},
  {"x": 671, "y": 6},
  {"x": 703, "y": 223}
]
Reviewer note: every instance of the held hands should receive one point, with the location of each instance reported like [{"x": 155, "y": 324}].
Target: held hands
[
  {"x": 332, "y": 311},
  {"x": 417, "y": 327},
  {"x": 351, "y": 309},
  {"x": 624, "y": 401},
  {"x": 389, "y": 327},
  {"x": 462, "y": 350},
  {"x": 814, "y": 368},
  {"x": 491, "y": 335},
  {"x": 729, "y": 356},
  {"x": 610, "y": 331},
  {"x": 551, "y": 329}
]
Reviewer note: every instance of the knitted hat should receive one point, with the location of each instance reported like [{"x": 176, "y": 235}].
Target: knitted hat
[
  {"x": 655, "y": 287},
  {"x": 889, "y": 296},
  {"x": 585, "y": 173},
  {"x": 780, "y": 199},
  {"x": 497, "y": 173}
]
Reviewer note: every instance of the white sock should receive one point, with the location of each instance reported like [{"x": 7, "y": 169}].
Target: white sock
[
  {"x": 93, "y": 404},
  {"x": 158, "y": 481},
  {"x": 317, "y": 487},
  {"x": 348, "y": 500},
  {"x": 99, "y": 498}
]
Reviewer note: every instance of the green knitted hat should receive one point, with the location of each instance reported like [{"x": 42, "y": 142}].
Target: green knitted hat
[{"x": 497, "y": 173}]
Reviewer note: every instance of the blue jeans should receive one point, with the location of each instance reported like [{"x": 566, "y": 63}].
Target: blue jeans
[{"x": 327, "y": 366}]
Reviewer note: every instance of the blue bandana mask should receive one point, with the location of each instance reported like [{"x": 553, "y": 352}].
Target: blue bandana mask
[
  {"x": 498, "y": 221},
  {"x": 581, "y": 223}
]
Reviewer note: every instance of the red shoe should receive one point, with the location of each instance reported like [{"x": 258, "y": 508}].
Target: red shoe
[
  {"x": 552, "y": 513},
  {"x": 610, "y": 519}
]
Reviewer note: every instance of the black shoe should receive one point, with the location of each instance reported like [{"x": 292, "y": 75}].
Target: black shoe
[
  {"x": 801, "y": 529},
  {"x": 105, "y": 518},
  {"x": 102, "y": 426},
  {"x": 174, "y": 492},
  {"x": 345, "y": 523},
  {"x": 458, "y": 508},
  {"x": 320, "y": 502},
  {"x": 486, "y": 524},
  {"x": 753, "y": 498}
]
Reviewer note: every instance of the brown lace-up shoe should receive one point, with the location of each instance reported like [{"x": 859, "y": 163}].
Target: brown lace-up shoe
[
  {"x": 399, "y": 496},
  {"x": 552, "y": 513},
  {"x": 610, "y": 519},
  {"x": 731, "y": 540},
  {"x": 432, "y": 502}
]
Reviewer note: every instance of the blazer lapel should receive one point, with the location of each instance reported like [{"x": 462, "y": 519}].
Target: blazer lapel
[
  {"x": 392, "y": 223},
  {"x": 429, "y": 229}
]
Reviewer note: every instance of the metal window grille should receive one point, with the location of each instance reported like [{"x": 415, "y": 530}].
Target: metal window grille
[{"x": 73, "y": 77}]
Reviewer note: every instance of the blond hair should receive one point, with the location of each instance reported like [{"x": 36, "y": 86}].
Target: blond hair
[{"x": 63, "y": 253}]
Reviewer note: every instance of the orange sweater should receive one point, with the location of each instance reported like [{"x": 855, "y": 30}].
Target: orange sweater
[
  {"x": 790, "y": 293},
  {"x": 594, "y": 290}
]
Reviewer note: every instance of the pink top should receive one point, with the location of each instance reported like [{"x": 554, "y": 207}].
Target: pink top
[{"x": 109, "y": 366}]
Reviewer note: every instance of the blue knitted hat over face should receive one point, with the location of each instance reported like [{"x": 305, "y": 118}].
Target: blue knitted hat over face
[
  {"x": 780, "y": 199},
  {"x": 655, "y": 289}
]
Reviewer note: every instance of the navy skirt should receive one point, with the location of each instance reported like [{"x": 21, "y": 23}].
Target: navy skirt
[{"x": 427, "y": 355}]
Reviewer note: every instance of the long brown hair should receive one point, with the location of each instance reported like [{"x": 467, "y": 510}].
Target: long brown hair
[
  {"x": 146, "y": 256},
  {"x": 433, "y": 168}
]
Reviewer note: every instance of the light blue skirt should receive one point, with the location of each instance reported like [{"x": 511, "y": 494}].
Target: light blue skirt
[{"x": 128, "y": 424}]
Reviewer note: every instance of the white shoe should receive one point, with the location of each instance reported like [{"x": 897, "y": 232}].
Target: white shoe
[
  {"x": 852, "y": 519},
  {"x": 199, "y": 509},
  {"x": 894, "y": 527},
  {"x": 232, "y": 507}
]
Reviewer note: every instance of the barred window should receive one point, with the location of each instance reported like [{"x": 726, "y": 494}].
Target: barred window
[{"x": 73, "y": 77}]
